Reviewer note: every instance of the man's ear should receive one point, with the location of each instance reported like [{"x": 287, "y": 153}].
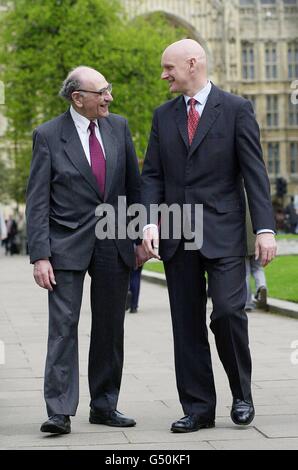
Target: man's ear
[
  {"x": 77, "y": 98},
  {"x": 192, "y": 63}
]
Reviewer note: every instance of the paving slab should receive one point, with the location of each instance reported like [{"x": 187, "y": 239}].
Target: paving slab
[{"x": 148, "y": 390}]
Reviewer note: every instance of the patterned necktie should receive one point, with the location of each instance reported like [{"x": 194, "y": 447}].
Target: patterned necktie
[
  {"x": 193, "y": 119},
  {"x": 98, "y": 162}
]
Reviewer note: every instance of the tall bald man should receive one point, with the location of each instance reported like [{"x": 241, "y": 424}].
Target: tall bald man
[
  {"x": 203, "y": 144},
  {"x": 81, "y": 159}
]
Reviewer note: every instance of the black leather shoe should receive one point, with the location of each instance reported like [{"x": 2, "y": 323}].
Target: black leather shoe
[
  {"x": 57, "y": 424},
  {"x": 111, "y": 418},
  {"x": 191, "y": 424},
  {"x": 261, "y": 297},
  {"x": 242, "y": 412},
  {"x": 133, "y": 310}
]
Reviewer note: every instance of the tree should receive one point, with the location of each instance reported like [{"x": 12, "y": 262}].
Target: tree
[
  {"x": 3, "y": 182},
  {"x": 138, "y": 89},
  {"x": 43, "y": 40}
]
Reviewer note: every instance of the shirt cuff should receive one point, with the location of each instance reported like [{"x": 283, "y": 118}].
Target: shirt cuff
[
  {"x": 265, "y": 230},
  {"x": 148, "y": 226}
]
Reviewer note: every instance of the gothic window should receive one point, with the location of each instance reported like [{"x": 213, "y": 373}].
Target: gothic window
[
  {"x": 270, "y": 61},
  {"x": 273, "y": 158},
  {"x": 292, "y": 60},
  {"x": 272, "y": 110},
  {"x": 294, "y": 157},
  {"x": 293, "y": 113},
  {"x": 248, "y": 61}
]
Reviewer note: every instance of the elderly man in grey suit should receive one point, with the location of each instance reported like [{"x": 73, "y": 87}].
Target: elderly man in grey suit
[{"x": 82, "y": 159}]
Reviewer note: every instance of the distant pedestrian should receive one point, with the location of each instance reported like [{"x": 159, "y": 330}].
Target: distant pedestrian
[
  {"x": 134, "y": 289},
  {"x": 292, "y": 216},
  {"x": 254, "y": 269},
  {"x": 12, "y": 230},
  {"x": 3, "y": 230}
]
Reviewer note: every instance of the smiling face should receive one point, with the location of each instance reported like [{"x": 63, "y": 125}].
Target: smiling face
[
  {"x": 176, "y": 71},
  {"x": 184, "y": 67},
  {"x": 92, "y": 105}
]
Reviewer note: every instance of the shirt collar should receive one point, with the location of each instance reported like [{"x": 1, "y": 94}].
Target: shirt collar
[
  {"x": 201, "y": 96},
  {"x": 80, "y": 121}
]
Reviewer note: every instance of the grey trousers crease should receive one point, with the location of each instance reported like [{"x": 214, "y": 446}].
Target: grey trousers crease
[{"x": 109, "y": 284}]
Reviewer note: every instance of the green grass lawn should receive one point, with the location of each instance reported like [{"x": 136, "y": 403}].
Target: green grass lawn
[
  {"x": 281, "y": 275},
  {"x": 287, "y": 236},
  {"x": 157, "y": 267}
]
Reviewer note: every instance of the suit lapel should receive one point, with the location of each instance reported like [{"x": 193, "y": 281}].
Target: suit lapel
[
  {"x": 209, "y": 115},
  {"x": 110, "y": 146},
  {"x": 181, "y": 120},
  {"x": 76, "y": 154}
]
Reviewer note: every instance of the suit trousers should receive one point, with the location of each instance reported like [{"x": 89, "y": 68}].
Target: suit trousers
[
  {"x": 109, "y": 284},
  {"x": 185, "y": 274}
]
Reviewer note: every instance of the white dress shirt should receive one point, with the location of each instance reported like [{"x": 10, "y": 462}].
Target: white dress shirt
[
  {"x": 82, "y": 125},
  {"x": 201, "y": 98}
]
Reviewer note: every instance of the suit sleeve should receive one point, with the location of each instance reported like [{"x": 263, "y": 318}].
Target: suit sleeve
[
  {"x": 152, "y": 175},
  {"x": 253, "y": 168},
  {"x": 133, "y": 181},
  {"x": 38, "y": 200}
]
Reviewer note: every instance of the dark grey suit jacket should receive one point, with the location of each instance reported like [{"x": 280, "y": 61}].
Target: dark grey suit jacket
[
  {"x": 62, "y": 192},
  {"x": 225, "y": 150}
]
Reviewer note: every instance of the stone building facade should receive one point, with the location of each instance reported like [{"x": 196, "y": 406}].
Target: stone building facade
[{"x": 252, "y": 47}]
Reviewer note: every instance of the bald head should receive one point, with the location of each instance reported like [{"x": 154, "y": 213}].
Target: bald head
[
  {"x": 81, "y": 77},
  {"x": 186, "y": 49},
  {"x": 85, "y": 75},
  {"x": 184, "y": 66}
]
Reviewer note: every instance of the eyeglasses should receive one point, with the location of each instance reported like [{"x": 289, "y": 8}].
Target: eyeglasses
[{"x": 101, "y": 92}]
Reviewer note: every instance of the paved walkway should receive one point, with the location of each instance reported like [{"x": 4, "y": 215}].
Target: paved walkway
[
  {"x": 148, "y": 389},
  {"x": 287, "y": 247}
]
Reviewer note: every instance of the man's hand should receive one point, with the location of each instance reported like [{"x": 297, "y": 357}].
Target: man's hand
[
  {"x": 141, "y": 256},
  {"x": 151, "y": 242},
  {"x": 43, "y": 274},
  {"x": 265, "y": 248}
]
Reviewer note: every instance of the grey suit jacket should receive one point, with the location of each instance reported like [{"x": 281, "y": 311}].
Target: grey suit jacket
[{"x": 62, "y": 192}]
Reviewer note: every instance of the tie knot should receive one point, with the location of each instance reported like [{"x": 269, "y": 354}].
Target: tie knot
[
  {"x": 92, "y": 127},
  {"x": 192, "y": 102}
]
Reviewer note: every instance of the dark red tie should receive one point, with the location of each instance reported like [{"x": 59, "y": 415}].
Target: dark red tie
[
  {"x": 98, "y": 162},
  {"x": 193, "y": 119}
]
